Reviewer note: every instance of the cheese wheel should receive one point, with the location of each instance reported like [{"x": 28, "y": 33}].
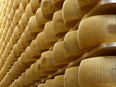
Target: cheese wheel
[
  {"x": 35, "y": 54},
  {"x": 29, "y": 36},
  {"x": 35, "y": 4},
  {"x": 71, "y": 17},
  {"x": 58, "y": 25},
  {"x": 87, "y": 5},
  {"x": 101, "y": 72},
  {"x": 49, "y": 34},
  {"x": 59, "y": 81},
  {"x": 28, "y": 11},
  {"x": 47, "y": 9},
  {"x": 16, "y": 4},
  {"x": 21, "y": 9},
  {"x": 40, "y": 18},
  {"x": 49, "y": 83},
  {"x": 58, "y": 3},
  {"x": 33, "y": 25},
  {"x": 21, "y": 27},
  {"x": 9, "y": 46},
  {"x": 17, "y": 16},
  {"x": 16, "y": 50},
  {"x": 41, "y": 85},
  {"x": 42, "y": 46},
  {"x": 71, "y": 46},
  {"x": 20, "y": 46},
  {"x": 71, "y": 77},
  {"x": 47, "y": 63},
  {"x": 104, "y": 31},
  {"x": 59, "y": 59},
  {"x": 24, "y": 20},
  {"x": 24, "y": 3}
]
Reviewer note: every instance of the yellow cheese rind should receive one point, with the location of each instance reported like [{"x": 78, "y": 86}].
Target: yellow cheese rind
[
  {"x": 98, "y": 72},
  {"x": 103, "y": 31}
]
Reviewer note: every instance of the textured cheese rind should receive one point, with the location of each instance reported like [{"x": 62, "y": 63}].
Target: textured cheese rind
[
  {"x": 59, "y": 81},
  {"x": 35, "y": 4},
  {"x": 29, "y": 11},
  {"x": 71, "y": 13},
  {"x": 87, "y": 5},
  {"x": 47, "y": 63},
  {"x": 98, "y": 72},
  {"x": 50, "y": 37},
  {"x": 33, "y": 25},
  {"x": 103, "y": 31},
  {"x": 58, "y": 24},
  {"x": 71, "y": 77},
  {"x": 47, "y": 9},
  {"x": 41, "y": 20},
  {"x": 41, "y": 85},
  {"x": 71, "y": 46},
  {"x": 42, "y": 46},
  {"x": 59, "y": 59},
  {"x": 49, "y": 83}
]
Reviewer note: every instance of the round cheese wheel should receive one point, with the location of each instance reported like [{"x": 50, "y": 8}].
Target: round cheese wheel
[
  {"x": 41, "y": 85},
  {"x": 34, "y": 50},
  {"x": 59, "y": 81},
  {"x": 17, "y": 16},
  {"x": 47, "y": 9},
  {"x": 42, "y": 46},
  {"x": 33, "y": 25},
  {"x": 16, "y": 50},
  {"x": 59, "y": 59},
  {"x": 58, "y": 25},
  {"x": 21, "y": 9},
  {"x": 9, "y": 46},
  {"x": 87, "y": 5},
  {"x": 101, "y": 72},
  {"x": 40, "y": 18},
  {"x": 20, "y": 27},
  {"x": 15, "y": 5},
  {"x": 24, "y": 3},
  {"x": 35, "y": 4},
  {"x": 47, "y": 63},
  {"x": 104, "y": 31},
  {"x": 71, "y": 17},
  {"x": 71, "y": 46},
  {"x": 24, "y": 20},
  {"x": 29, "y": 11},
  {"x": 20, "y": 46},
  {"x": 49, "y": 34},
  {"x": 58, "y": 3},
  {"x": 71, "y": 77},
  {"x": 49, "y": 83}
]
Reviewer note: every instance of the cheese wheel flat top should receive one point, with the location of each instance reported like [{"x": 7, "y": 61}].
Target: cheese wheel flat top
[
  {"x": 103, "y": 31},
  {"x": 49, "y": 83},
  {"x": 58, "y": 24},
  {"x": 71, "y": 13},
  {"x": 71, "y": 77},
  {"x": 41, "y": 85},
  {"x": 41, "y": 20},
  {"x": 50, "y": 37},
  {"x": 59, "y": 81},
  {"x": 47, "y": 9},
  {"x": 71, "y": 46},
  {"x": 98, "y": 72},
  {"x": 46, "y": 62}
]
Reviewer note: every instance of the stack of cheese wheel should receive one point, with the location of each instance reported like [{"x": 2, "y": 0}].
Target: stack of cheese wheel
[
  {"x": 49, "y": 83},
  {"x": 87, "y": 5},
  {"x": 41, "y": 20},
  {"x": 47, "y": 9},
  {"x": 41, "y": 85},
  {"x": 71, "y": 47},
  {"x": 59, "y": 81},
  {"x": 71, "y": 77},
  {"x": 102, "y": 71},
  {"x": 59, "y": 59},
  {"x": 103, "y": 31},
  {"x": 47, "y": 63},
  {"x": 33, "y": 25},
  {"x": 71, "y": 17},
  {"x": 58, "y": 24},
  {"x": 57, "y": 3},
  {"x": 29, "y": 11},
  {"x": 42, "y": 46},
  {"x": 49, "y": 34},
  {"x": 35, "y": 4}
]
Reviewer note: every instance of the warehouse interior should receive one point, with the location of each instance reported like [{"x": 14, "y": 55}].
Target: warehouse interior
[{"x": 57, "y": 43}]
